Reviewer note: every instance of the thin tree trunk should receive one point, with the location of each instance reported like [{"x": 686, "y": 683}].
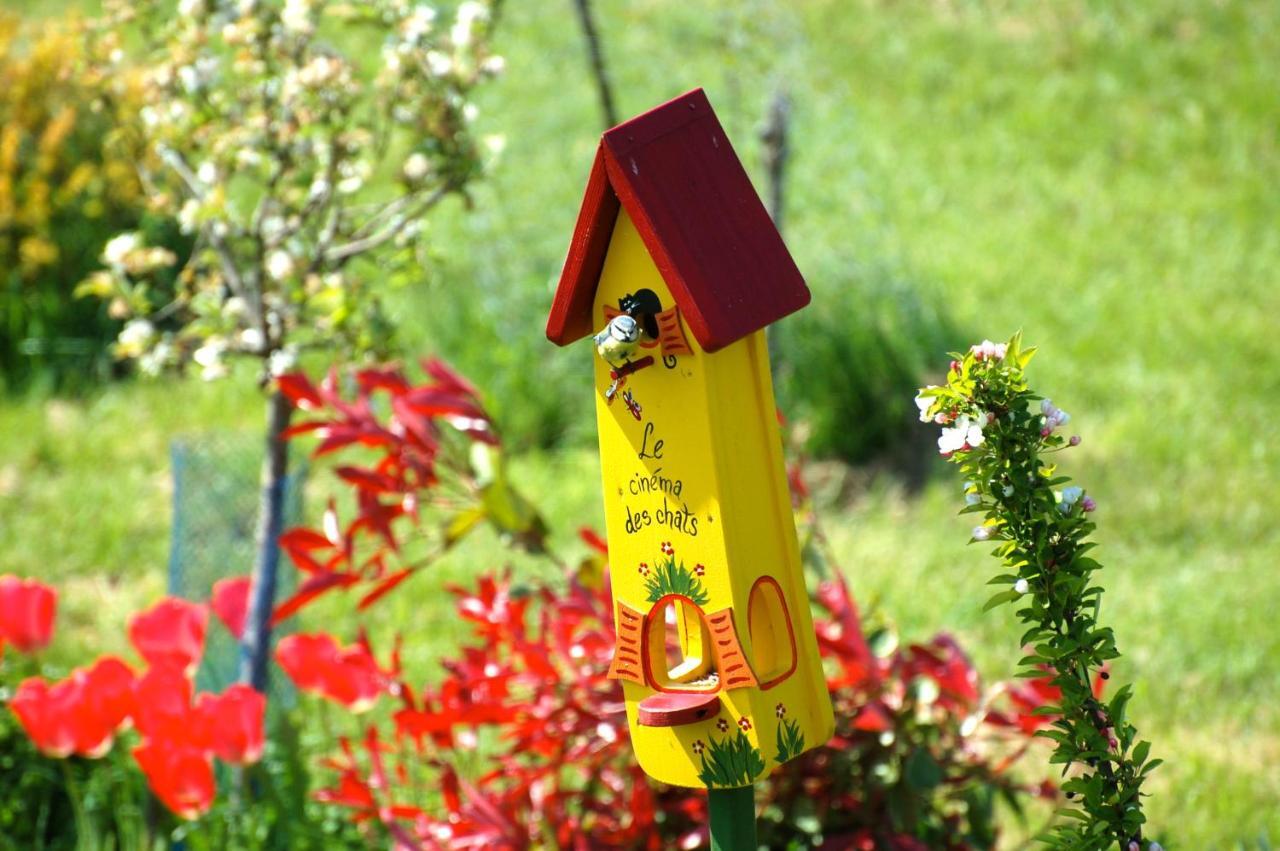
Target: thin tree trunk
[
  {"x": 256, "y": 645},
  {"x": 596, "y": 53},
  {"x": 776, "y": 151}
]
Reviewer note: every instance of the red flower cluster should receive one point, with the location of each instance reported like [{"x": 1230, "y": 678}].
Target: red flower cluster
[
  {"x": 27, "y": 610},
  {"x": 180, "y": 733}
]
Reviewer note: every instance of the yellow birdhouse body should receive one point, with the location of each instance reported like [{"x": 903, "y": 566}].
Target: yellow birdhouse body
[
  {"x": 705, "y": 569},
  {"x": 715, "y": 644}
]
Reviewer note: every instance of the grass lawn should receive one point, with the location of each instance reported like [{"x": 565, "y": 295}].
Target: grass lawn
[{"x": 1101, "y": 176}]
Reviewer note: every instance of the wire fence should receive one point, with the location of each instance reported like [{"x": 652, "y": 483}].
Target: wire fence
[{"x": 215, "y": 517}]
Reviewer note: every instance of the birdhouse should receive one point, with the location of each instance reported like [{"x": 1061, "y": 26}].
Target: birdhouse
[{"x": 675, "y": 261}]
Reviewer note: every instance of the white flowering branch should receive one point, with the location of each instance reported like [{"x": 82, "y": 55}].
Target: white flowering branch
[{"x": 994, "y": 430}]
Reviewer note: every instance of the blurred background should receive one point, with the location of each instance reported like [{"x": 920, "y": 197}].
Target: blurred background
[{"x": 1101, "y": 176}]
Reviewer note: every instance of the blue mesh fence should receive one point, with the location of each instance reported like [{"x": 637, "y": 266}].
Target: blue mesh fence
[{"x": 215, "y": 515}]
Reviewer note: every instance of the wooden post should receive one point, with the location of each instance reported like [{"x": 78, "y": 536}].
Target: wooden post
[{"x": 733, "y": 818}]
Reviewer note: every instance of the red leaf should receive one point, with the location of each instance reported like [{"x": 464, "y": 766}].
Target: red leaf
[
  {"x": 299, "y": 390},
  {"x": 369, "y": 480},
  {"x": 383, "y": 588},
  {"x": 309, "y": 591}
]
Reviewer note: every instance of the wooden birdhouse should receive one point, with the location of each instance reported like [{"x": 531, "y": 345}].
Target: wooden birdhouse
[{"x": 677, "y": 264}]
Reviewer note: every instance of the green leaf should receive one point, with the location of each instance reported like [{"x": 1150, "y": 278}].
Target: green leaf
[
  {"x": 998, "y": 599},
  {"x": 922, "y": 771}
]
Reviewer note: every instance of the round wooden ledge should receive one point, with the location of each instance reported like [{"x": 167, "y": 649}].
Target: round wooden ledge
[{"x": 667, "y": 709}]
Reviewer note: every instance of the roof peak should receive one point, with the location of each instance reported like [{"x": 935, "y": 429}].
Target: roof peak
[{"x": 676, "y": 174}]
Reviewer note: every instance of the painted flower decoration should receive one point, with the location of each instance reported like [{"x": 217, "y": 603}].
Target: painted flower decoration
[
  {"x": 780, "y": 710},
  {"x": 722, "y": 725},
  {"x": 744, "y": 723},
  {"x": 698, "y": 746},
  {"x": 644, "y": 568},
  {"x": 699, "y": 570},
  {"x": 667, "y": 549}
]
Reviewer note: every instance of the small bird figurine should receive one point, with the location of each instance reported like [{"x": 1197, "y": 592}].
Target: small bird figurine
[{"x": 618, "y": 341}]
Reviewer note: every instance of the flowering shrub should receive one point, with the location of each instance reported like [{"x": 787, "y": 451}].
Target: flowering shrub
[
  {"x": 265, "y": 125},
  {"x": 67, "y": 183},
  {"x": 997, "y": 435},
  {"x": 525, "y": 738}
]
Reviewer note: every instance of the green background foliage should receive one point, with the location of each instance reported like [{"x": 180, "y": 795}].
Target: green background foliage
[{"x": 1100, "y": 175}]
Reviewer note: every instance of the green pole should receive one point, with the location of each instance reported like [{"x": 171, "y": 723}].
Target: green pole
[{"x": 733, "y": 818}]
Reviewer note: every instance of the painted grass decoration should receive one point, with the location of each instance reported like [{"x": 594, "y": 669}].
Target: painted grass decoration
[
  {"x": 670, "y": 578},
  {"x": 732, "y": 761},
  {"x": 790, "y": 741}
]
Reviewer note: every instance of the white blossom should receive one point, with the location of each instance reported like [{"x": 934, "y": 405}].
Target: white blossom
[
  {"x": 987, "y": 350},
  {"x": 493, "y": 65},
  {"x": 1022, "y": 586},
  {"x": 280, "y": 264},
  {"x": 190, "y": 8},
  {"x": 1053, "y": 415},
  {"x": 135, "y": 337},
  {"x": 209, "y": 358},
  {"x": 981, "y": 533},
  {"x": 469, "y": 12},
  {"x": 282, "y": 360},
  {"x": 252, "y": 339},
  {"x": 188, "y": 216},
  {"x": 1069, "y": 497},
  {"x": 439, "y": 63},
  {"x": 419, "y": 22},
  {"x": 924, "y": 403},
  {"x": 296, "y": 16},
  {"x": 117, "y": 250},
  {"x": 417, "y": 166},
  {"x": 965, "y": 434}
]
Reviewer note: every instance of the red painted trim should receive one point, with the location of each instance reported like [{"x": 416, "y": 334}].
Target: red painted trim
[
  {"x": 570, "y": 317},
  {"x": 705, "y": 228},
  {"x": 791, "y": 634},
  {"x": 647, "y": 657}
]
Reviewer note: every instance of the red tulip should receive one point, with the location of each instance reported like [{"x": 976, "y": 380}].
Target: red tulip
[
  {"x": 316, "y": 663},
  {"x": 231, "y": 603},
  {"x": 171, "y": 633},
  {"x": 27, "y": 609},
  {"x": 79, "y": 714},
  {"x": 45, "y": 712},
  {"x": 164, "y": 710},
  {"x": 181, "y": 777},
  {"x": 235, "y": 723}
]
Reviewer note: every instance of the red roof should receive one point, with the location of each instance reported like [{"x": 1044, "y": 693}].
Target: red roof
[{"x": 676, "y": 174}]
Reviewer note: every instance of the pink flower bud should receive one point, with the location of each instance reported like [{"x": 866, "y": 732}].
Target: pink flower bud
[
  {"x": 1075, "y": 440},
  {"x": 955, "y": 365},
  {"x": 1088, "y": 504},
  {"x": 1046, "y": 431}
]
